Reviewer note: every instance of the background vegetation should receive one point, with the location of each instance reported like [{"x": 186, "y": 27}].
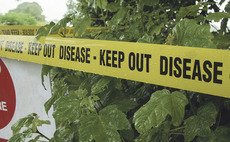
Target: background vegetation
[
  {"x": 25, "y": 14},
  {"x": 91, "y": 107}
]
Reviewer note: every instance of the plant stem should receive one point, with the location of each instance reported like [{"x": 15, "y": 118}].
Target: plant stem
[
  {"x": 177, "y": 129},
  {"x": 176, "y": 133},
  {"x": 43, "y": 135}
]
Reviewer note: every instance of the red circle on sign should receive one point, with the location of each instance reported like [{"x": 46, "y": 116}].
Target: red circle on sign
[{"x": 7, "y": 96}]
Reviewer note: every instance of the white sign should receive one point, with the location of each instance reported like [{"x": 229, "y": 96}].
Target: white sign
[{"x": 30, "y": 96}]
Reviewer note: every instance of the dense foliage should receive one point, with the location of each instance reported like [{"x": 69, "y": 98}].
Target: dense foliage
[
  {"x": 32, "y": 8},
  {"x": 17, "y": 19},
  {"x": 25, "y": 14},
  {"x": 91, "y": 107}
]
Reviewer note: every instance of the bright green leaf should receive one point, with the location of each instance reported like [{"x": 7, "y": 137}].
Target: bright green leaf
[
  {"x": 68, "y": 106},
  {"x": 146, "y": 39},
  {"x": 189, "y": 33},
  {"x": 191, "y": 10},
  {"x": 66, "y": 133},
  {"x": 45, "y": 70},
  {"x": 101, "y": 3},
  {"x": 48, "y": 104},
  {"x": 44, "y": 30},
  {"x": 61, "y": 25},
  {"x": 161, "y": 104},
  {"x": 21, "y": 137},
  {"x": 217, "y": 16},
  {"x": 113, "y": 7},
  {"x": 156, "y": 29},
  {"x": 36, "y": 123},
  {"x": 26, "y": 121},
  {"x": 118, "y": 17},
  {"x": 81, "y": 25},
  {"x": 99, "y": 86},
  {"x": 103, "y": 127}
]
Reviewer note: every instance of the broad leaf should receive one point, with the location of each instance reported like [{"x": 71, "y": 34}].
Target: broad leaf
[
  {"x": 146, "y": 39},
  {"x": 81, "y": 25},
  {"x": 103, "y": 127},
  {"x": 199, "y": 125},
  {"x": 217, "y": 16},
  {"x": 37, "y": 123},
  {"x": 123, "y": 101},
  {"x": 189, "y": 33},
  {"x": 99, "y": 86},
  {"x": 26, "y": 121},
  {"x": 161, "y": 104},
  {"x": 61, "y": 25},
  {"x": 113, "y": 7},
  {"x": 151, "y": 3},
  {"x": 48, "y": 104},
  {"x": 188, "y": 11},
  {"x": 156, "y": 29},
  {"x": 45, "y": 70},
  {"x": 118, "y": 17},
  {"x": 68, "y": 106},
  {"x": 159, "y": 134},
  {"x": 67, "y": 133},
  {"x": 21, "y": 137},
  {"x": 221, "y": 134},
  {"x": 44, "y": 30}
]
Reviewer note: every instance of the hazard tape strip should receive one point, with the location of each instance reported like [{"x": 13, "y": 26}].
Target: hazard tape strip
[
  {"x": 188, "y": 68},
  {"x": 31, "y": 30}
]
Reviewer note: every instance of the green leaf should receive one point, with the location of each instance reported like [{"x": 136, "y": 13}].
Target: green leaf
[
  {"x": 118, "y": 17},
  {"x": 21, "y": 137},
  {"x": 48, "y": 104},
  {"x": 68, "y": 106},
  {"x": 80, "y": 25},
  {"x": 101, "y": 3},
  {"x": 45, "y": 70},
  {"x": 227, "y": 7},
  {"x": 36, "y": 123},
  {"x": 123, "y": 101},
  {"x": 26, "y": 121},
  {"x": 157, "y": 134},
  {"x": 161, "y": 104},
  {"x": 113, "y": 7},
  {"x": 44, "y": 30},
  {"x": 61, "y": 25},
  {"x": 103, "y": 127},
  {"x": 35, "y": 139},
  {"x": 156, "y": 29},
  {"x": 99, "y": 86},
  {"x": 189, "y": 33},
  {"x": 222, "y": 41},
  {"x": 221, "y": 2},
  {"x": 199, "y": 125},
  {"x": 146, "y": 39},
  {"x": 142, "y": 3},
  {"x": 146, "y": 136},
  {"x": 221, "y": 134},
  {"x": 67, "y": 133},
  {"x": 191, "y": 10},
  {"x": 217, "y": 16}
]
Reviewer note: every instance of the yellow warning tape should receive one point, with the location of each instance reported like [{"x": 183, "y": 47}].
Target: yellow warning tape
[
  {"x": 31, "y": 30},
  {"x": 195, "y": 69}
]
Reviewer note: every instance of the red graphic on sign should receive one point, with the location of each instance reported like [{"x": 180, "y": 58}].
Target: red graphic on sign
[
  {"x": 7, "y": 96},
  {"x": 3, "y": 140}
]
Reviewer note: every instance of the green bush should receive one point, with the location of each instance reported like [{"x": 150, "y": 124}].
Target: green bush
[
  {"x": 17, "y": 19},
  {"x": 91, "y": 107}
]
